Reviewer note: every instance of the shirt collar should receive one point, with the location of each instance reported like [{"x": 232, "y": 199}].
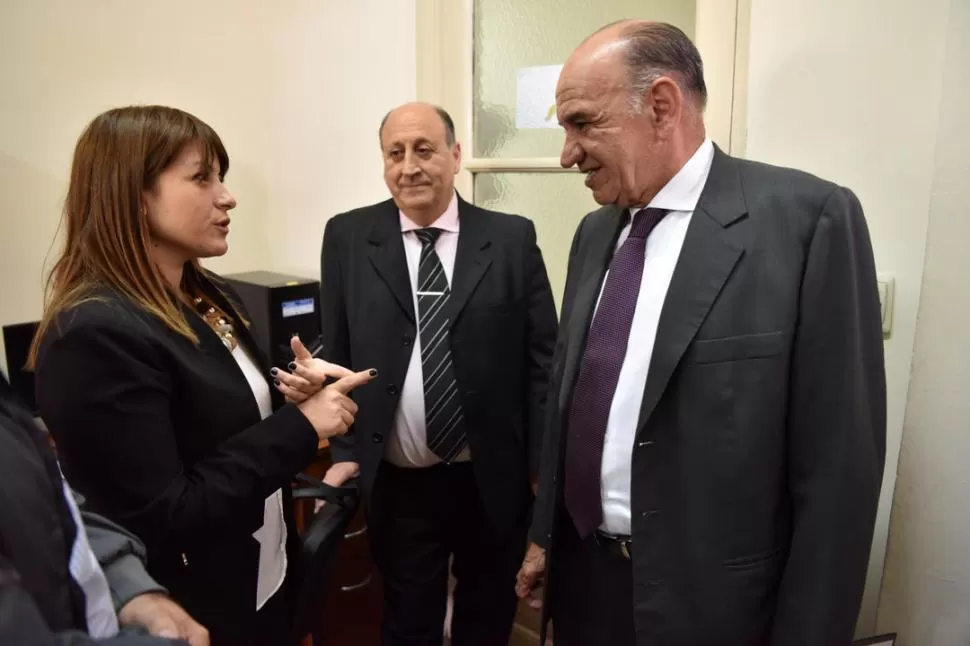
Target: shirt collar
[
  {"x": 447, "y": 221},
  {"x": 683, "y": 191}
]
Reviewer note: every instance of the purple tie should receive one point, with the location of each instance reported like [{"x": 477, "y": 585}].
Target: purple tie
[{"x": 599, "y": 372}]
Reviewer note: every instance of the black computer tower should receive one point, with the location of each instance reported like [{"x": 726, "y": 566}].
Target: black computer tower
[{"x": 279, "y": 306}]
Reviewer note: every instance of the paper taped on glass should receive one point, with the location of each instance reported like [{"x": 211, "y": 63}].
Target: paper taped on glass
[{"x": 536, "y": 97}]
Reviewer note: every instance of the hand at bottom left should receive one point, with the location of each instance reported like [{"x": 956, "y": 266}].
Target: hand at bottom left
[{"x": 162, "y": 617}]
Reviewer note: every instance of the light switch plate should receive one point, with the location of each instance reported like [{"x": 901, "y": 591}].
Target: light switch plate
[{"x": 887, "y": 289}]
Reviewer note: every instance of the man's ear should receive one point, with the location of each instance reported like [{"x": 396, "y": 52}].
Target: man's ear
[
  {"x": 665, "y": 100},
  {"x": 456, "y": 151}
]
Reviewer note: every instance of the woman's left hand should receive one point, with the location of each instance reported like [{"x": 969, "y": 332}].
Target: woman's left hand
[{"x": 307, "y": 374}]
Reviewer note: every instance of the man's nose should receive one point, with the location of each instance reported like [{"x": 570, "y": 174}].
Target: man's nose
[
  {"x": 571, "y": 153},
  {"x": 411, "y": 164}
]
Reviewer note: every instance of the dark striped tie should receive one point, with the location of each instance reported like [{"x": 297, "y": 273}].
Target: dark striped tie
[
  {"x": 599, "y": 372},
  {"x": 442, "y": 406}
]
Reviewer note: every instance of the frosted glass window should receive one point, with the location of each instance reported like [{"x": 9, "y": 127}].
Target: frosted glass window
[{"x": 511, "y": 34}]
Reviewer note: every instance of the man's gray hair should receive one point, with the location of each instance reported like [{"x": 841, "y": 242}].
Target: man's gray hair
[
  {"x": 446, "y": 119},
  {"x": 659, "y": 49}
]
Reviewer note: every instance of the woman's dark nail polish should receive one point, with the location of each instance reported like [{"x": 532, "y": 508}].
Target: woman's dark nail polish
[
  {"x": 273, "y": 371},
  {"x": 373, "y": 373},
  {"x": 276, "y": 382},
  {"x": 292, "y": 365}
]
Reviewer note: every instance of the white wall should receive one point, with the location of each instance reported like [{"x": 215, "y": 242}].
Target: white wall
[
  {"x": 926, "y": 589},
  {"x": 296, "y": 90},
  {"x": 851, "y": 91}
]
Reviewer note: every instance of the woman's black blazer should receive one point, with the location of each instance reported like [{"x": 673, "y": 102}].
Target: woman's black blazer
[{"x": 164, "y": 437}]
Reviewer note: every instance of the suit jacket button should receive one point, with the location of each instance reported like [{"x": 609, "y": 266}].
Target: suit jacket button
[
  {"x": 407, "y": 340},
  {"x": 392, "y": 390},
  {"x": 377, "y": 438}
]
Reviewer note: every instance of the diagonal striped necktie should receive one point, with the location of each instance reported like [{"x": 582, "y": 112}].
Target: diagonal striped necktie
[{"x": 443, "y": 414}]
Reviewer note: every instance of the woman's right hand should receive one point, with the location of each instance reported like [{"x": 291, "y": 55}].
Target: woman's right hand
[{"x": 331, "y": 411}]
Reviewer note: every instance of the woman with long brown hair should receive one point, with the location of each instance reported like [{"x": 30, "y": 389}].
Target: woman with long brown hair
[{"x": 152, "y": 386}]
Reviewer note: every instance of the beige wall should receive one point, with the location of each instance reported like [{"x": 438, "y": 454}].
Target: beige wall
[
  {"x": 296, "y": 90},
  {"x": 851, "y": 91},
  {"x": 926, "y": 590}
]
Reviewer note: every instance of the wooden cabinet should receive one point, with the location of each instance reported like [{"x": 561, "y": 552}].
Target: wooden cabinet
[
  {"x": 351, "y": 614},
  {"x": 525, "y": 631}
]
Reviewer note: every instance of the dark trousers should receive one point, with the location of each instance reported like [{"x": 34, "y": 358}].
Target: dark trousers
[
  {"x": 270, "y": 626},
  {"x": 274, "y": 622},
  {"x": 592, "y": 593},
  {"x": 419, "y": 519}
]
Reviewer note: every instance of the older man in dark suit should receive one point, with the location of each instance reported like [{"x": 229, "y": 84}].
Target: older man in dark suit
[
  {"x": 712, "y": 467},
  {"x": 452, "y": 305}
]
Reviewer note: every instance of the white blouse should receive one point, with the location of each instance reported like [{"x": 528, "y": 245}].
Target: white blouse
[{"x": 272, "y": 535}]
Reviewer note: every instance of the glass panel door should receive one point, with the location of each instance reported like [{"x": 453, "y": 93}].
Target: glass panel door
[{"x": 510, "y": 35}]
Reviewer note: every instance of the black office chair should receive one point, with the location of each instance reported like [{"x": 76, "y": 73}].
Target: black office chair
[
  {"x": 16, "y": 341},
  {"x": 321, "y": 542}
]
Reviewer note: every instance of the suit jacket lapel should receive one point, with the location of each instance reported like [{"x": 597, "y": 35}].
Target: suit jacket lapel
[
  {"x": 386, "y": 252},
  {"x": 211, "y": 343},
  {"x": 472, "y": 260},
  {"x": 707, "y": 258},
  {"x": 602, "y": 238}
]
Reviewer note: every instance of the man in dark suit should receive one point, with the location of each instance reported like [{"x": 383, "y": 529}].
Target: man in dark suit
[
  {"x": 451, "y": 303},
  {"x": 716, "y": 443}
]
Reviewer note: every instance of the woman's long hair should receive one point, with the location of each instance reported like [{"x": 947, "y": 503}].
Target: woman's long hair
[{"x": 119, "y": 157}]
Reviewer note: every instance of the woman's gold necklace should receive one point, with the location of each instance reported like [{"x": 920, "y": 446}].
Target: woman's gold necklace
[{"x": 220, "y": 323}]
